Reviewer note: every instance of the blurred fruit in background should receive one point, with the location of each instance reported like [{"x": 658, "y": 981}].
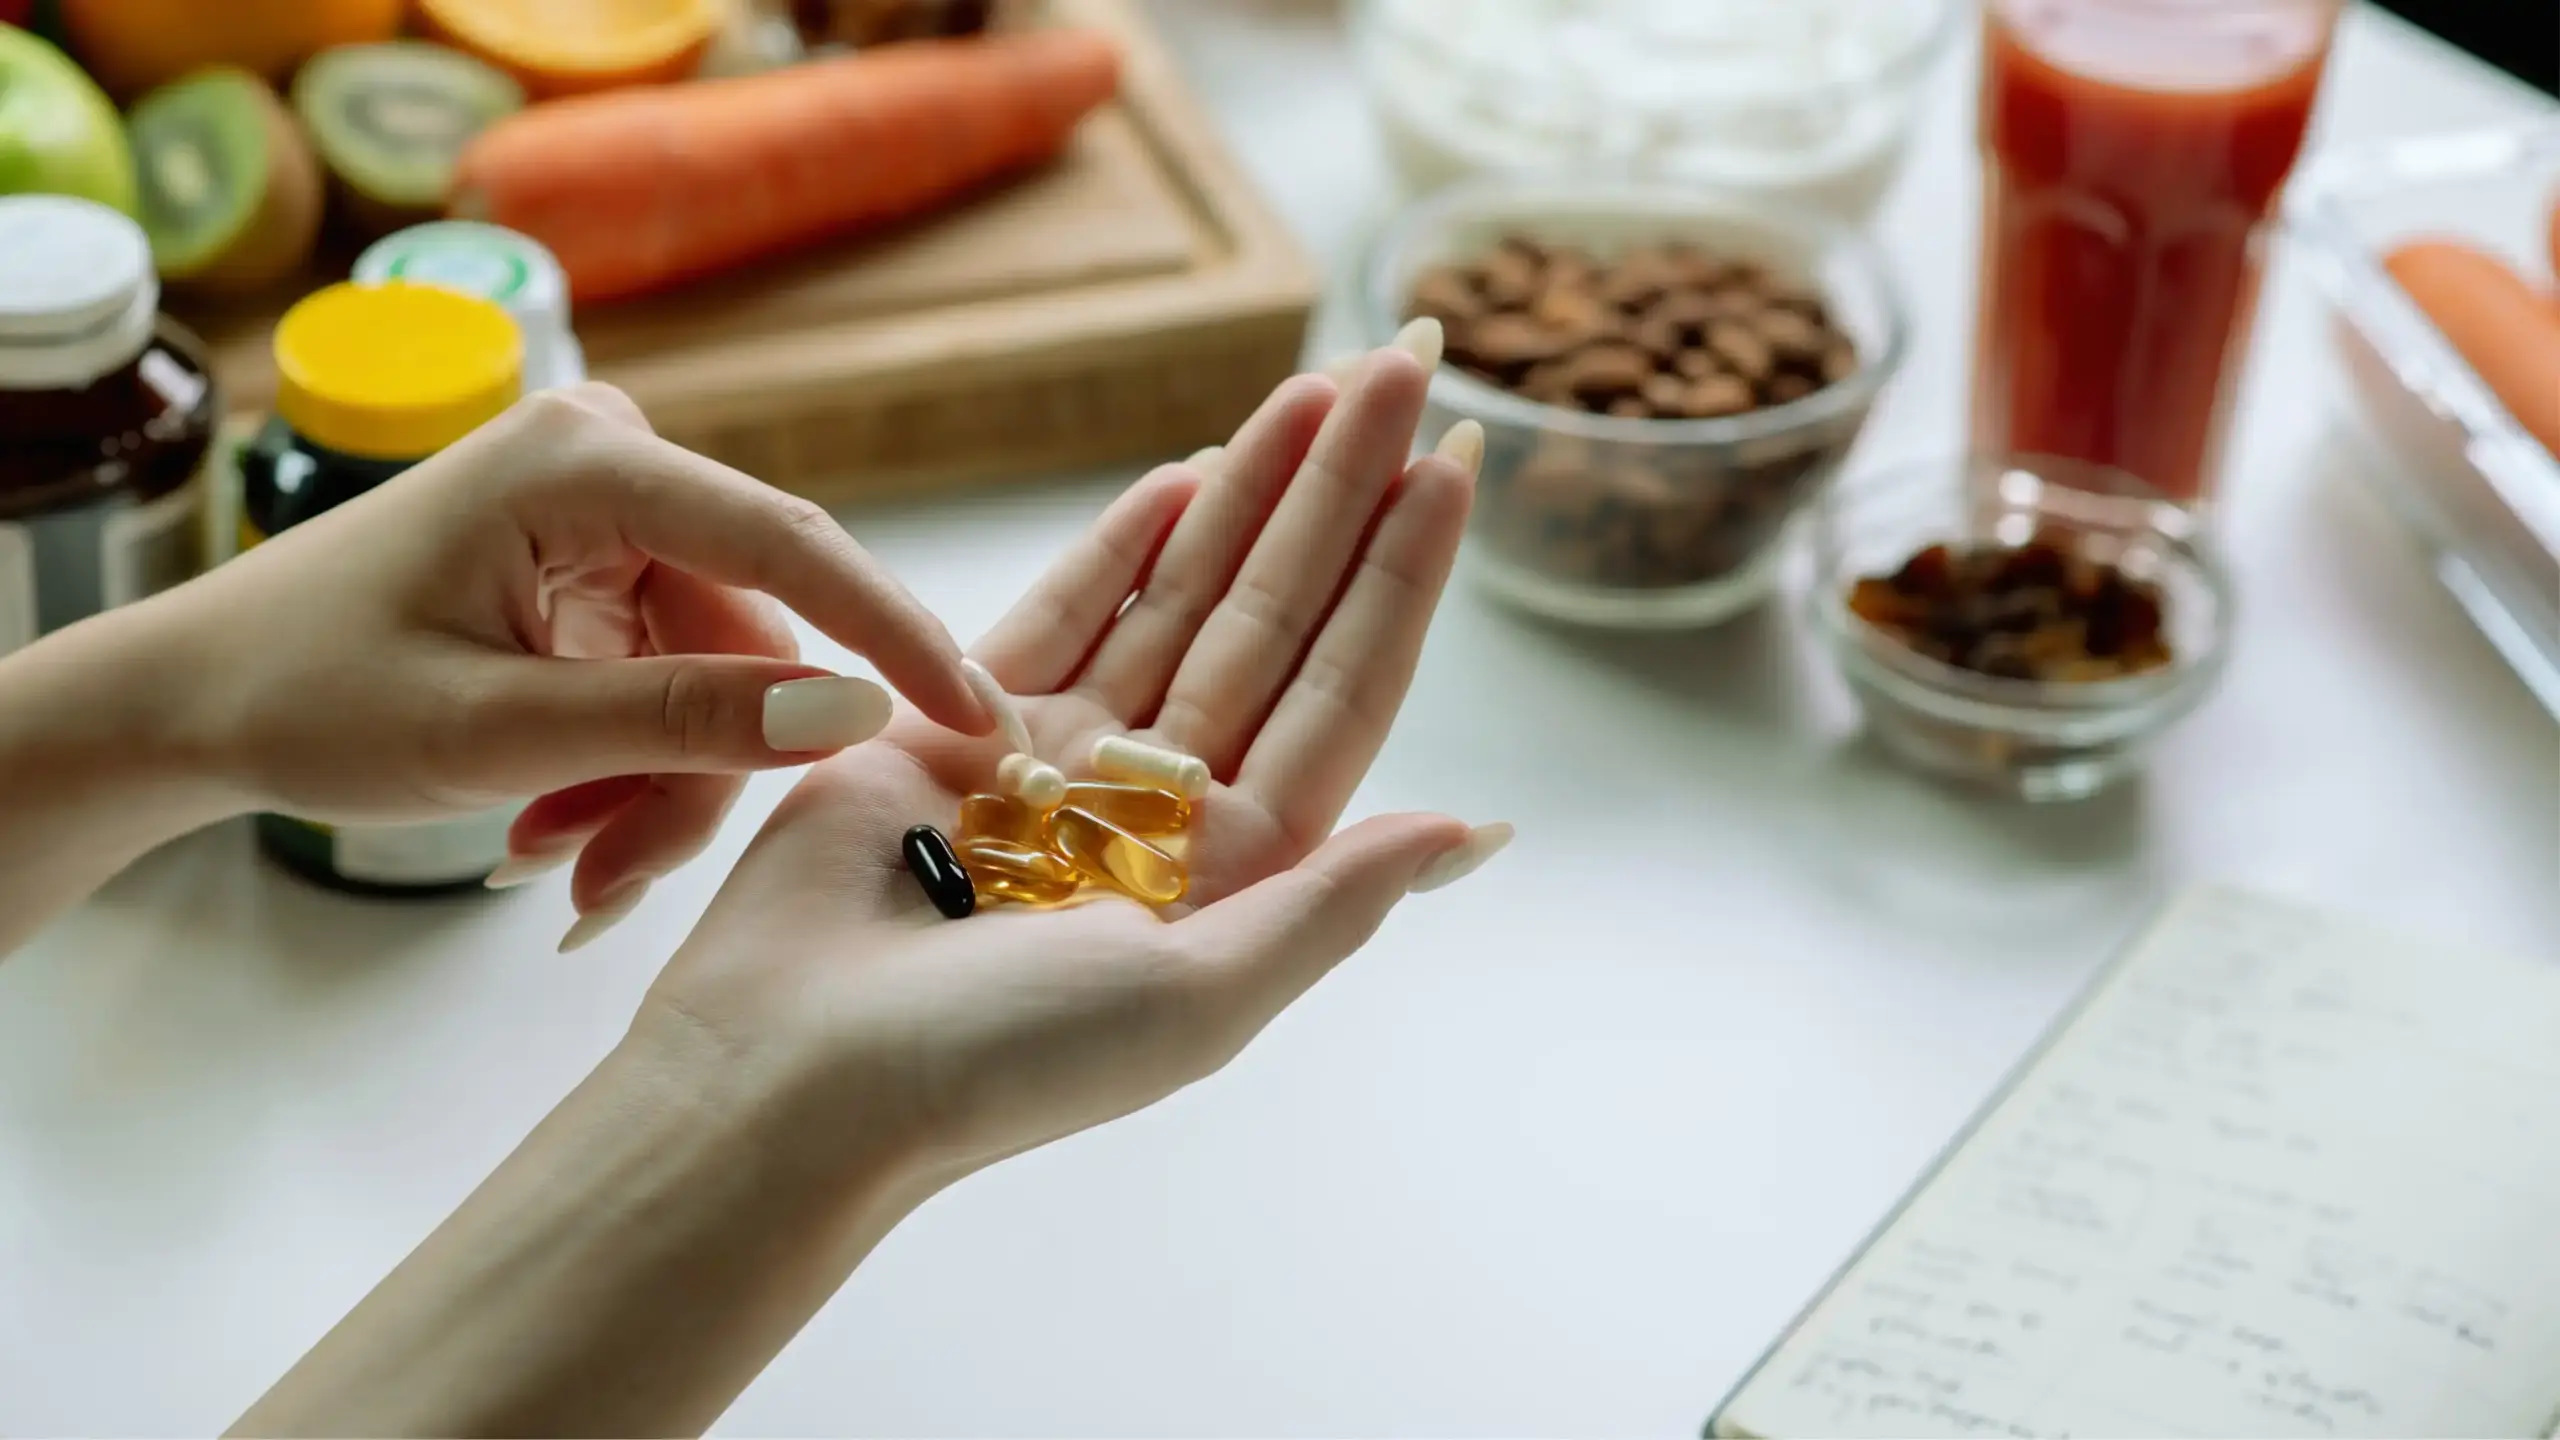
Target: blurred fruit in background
[
  {"x": 134, "y": 45},
  {"x": 231, "y": 195},
  {"x": 570, "y": 47},
  {"x": 389, "y": 120},
  {"x": 644, "y": 190},
  {"x": 58, "y": 133}
]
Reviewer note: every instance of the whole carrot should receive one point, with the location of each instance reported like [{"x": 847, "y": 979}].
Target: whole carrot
[
  {"x": 2553, "y": 221},
  {"x": 2496, "y": 319},
  {"x": 637, "y": 190}
]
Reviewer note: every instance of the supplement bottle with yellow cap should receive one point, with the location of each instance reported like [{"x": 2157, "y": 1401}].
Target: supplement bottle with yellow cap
[{"x": 370, "y": 380}]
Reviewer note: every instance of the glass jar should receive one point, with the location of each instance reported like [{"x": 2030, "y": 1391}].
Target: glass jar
[
  {"x": 2133, "y": 151},
  {"x": 107, "y": 415},
  {"x": 1804, "y": 101},
  {"x": 370, "y": 380},
  {"x": 1642, "y": 523}
]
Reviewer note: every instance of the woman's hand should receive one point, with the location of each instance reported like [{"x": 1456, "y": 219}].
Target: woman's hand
[
  {"x": 1270, "y": 625},
  {"x": 826, "y": 1051},
  {"x": 562, "y": 605}
]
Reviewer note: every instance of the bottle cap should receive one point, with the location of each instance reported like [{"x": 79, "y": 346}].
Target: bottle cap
[
  {"x": 395, "y": 371},
  {"x": 77, "y": 294},
  {"x": 496, "y": 264}
]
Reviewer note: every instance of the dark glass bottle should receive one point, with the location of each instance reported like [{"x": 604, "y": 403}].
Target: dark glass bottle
[
  {"x": 372, "y": 379},
  {"x": 107, "y": 415}
]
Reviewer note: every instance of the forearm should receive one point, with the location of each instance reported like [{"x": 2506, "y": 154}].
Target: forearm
[
  {"x": 628, "y": 1270},
  {"x": 99, "y": 761}
]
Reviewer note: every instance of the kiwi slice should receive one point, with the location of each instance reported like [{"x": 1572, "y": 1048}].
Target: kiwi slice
[
  {"x": 230, "y": 193},
  {"x": 390, "y": 120}
]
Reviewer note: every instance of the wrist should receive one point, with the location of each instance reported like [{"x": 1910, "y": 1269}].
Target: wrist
[
  {"x": 638, "y": 1260},
  {"x": 800, "y": 1126},
  {"x": 102, "y": 733}
]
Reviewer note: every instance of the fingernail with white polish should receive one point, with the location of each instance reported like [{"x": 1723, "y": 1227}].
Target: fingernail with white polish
[
  {"x": 1208, "y": 461},
  {"x": 1007, "y": 715},
  {"x": 1423, "y": 339},
  {"x": 828, "y": 712},
  {"x": 519, "y": 869},
  {"x": 609, "y": 912},
  {"x": 1341, "y": 369},
  {"x": 1463, "y": 444},
  {"x": 1482, "y": 844}
]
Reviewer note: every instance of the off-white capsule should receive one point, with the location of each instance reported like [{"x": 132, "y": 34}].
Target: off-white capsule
[
  {"x": 1032, "y": 780},
  {"x": 1008, "y": 716},
  {"x": 1117, "y": 757}
]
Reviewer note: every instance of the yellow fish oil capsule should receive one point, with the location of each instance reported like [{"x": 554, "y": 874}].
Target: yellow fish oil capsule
[
  {"x": 1000, "y": 817},
  {"x": 1135, "y": 762},
  {"x": 1138, "y": 809},
  {"x": 1106, "y": 853},
  {"x": 1039, "y": 783},
  {"x": 1020, "y": 873}
]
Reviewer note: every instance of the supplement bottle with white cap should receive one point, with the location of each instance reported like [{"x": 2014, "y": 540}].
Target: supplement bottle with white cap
[
  {"x": 496, "y": 264},
  {"x": 107, "y": 414}
]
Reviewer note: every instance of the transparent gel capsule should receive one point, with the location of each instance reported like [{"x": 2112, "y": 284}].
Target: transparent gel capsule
[
  {"x": 1106, "y": 853},
  {"x": 1001, "y": 817},
  {"x": 1018, "y": 873},
  {"x": 1138, "y": 809}
]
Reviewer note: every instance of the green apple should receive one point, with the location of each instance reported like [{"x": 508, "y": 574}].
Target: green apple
[{"x": 58, "y": 133}]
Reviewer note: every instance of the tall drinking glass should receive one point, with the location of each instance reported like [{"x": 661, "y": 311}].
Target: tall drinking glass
[{"x": 2133, "y": 152}]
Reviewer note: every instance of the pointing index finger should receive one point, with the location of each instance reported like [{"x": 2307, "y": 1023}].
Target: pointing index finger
[{"x": 703, "y": 517}]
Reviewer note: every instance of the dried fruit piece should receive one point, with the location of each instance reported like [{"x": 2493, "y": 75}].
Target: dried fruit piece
[{"x": 2029, "y": 612}]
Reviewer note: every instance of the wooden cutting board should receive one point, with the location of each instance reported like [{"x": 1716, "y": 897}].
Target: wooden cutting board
[{"x": 1133, "y": 301}]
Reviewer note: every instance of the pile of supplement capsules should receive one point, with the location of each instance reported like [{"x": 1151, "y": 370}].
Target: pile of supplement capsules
[{"x": 1042, "y": 839}]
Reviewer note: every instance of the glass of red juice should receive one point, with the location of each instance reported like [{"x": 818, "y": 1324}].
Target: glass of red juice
[{"x": 2133, "y": 152}]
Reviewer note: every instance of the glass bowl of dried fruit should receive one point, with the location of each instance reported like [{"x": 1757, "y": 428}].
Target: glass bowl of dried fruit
[
  {"x": 1666, "y": 378},
  {"x": 2027, "y": 623}
]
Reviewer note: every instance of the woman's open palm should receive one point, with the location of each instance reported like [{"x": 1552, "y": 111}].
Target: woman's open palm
[{"x": 1262, "y": 610}]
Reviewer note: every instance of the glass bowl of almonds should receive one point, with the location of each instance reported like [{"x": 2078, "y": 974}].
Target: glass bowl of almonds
[
  {"x": 1666, "y": 378},
  {"x": 2028, "y": 624}
]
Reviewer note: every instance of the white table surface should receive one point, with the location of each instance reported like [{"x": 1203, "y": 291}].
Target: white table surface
[{"x": 1558, "y": 1154}]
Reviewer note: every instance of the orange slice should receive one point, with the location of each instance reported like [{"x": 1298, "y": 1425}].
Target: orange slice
[{"x": 570, "y": 47}]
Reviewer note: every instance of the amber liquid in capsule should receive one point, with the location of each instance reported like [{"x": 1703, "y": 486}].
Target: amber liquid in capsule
[
  {"x": 1001, "y": 817},
  {"x": 1106, "y": 853},
  {"x": 1018, "y": 873},
  {"x": 1138, "y": 809}
]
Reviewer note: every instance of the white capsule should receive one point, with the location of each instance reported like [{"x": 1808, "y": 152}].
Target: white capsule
[
  {"x": 1032, "y": 780},
  {"x": 1117, "y": 757},
  {"x": 1008, "y": 716}
]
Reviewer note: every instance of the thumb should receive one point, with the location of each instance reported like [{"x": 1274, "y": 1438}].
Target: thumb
[
  {"x": 1274, "y": 940},
  {"x": 564, "y": 722}
]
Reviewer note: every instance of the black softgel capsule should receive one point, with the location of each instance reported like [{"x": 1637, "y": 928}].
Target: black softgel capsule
[{"x": 937, "y": 868}]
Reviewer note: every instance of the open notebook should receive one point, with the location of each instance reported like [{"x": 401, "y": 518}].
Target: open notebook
[{"x": 2278, "y": 1174}]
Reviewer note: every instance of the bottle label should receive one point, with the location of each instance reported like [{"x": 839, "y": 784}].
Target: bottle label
[
  {"x": 17, "y": 587},
  {"x": 439, "y": 852},
  {"x": 221, "y": 507},
  {"x": 66, "y": 566},
  {"x": 475, "y": 268},
  {"x": 427, "y": 854},
  {"x": 147, "y": 548}
]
